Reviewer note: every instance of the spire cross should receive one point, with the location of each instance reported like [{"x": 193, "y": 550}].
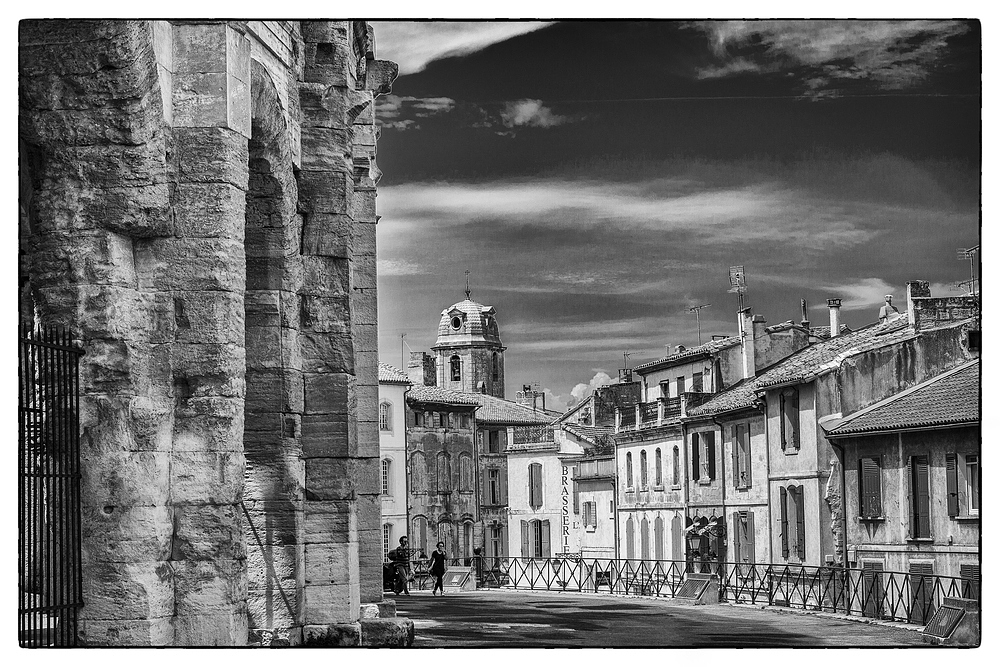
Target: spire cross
[{"x": 468, "y": 292}]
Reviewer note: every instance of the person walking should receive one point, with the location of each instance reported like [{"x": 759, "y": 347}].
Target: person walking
[
  {"x": 400, "y": 558},
  {"x": 438, "y": 568}
]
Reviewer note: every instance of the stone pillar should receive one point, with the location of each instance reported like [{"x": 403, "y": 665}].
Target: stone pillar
[{"x": 201, "y": 271}]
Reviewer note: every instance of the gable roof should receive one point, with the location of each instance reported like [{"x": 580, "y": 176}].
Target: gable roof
[
  {"x": 391, "y": 375},
  {"x": 595, "y": 435},
  {"x": 950, "y": 399},
  {"x": 707, "y": 348}
]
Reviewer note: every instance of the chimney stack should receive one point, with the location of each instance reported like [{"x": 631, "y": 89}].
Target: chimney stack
[
  {"x": 915, "y": 289},
  {"x": 422, "y": 369},
  {"x": 805, "y": 315},
  {"x": 746, "y": 323},
  {"x": 834, "y": 305},
  {"x": 679, "y": 349}
]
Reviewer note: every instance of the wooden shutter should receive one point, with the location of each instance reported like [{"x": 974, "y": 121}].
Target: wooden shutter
[
  {"x": 748, "y": 552},
  {"x": 922, "y": 591},
  {"x": 951, "y": 468},
  {"x": 503, "y": 541},
  {"x": 695, "y": 457},
  {"x": 911, "y": 501},
  {"x": 658, "y": 538},
  {"x": 737, "y": 539},
  {"x": 800, "y": 522},
  {"x": 747, "y": 468},
  {"x": 503, "y": 486},
  {"x": 923, "y": 496},
  {"x": 525, "y": 552},
  {"x": 710, "y": 452},
  {"x": 576, "y": 497},
  {"x": 795, "y": 418},
  {"x": 630, "y": 539},
  {"x": 970, "y": 580},
  {"x": 546, "y": 546},
  {"x": 783, "y": 504},
  {"x": 870, "y": 486},
  {"x": 735, "y": 437}
]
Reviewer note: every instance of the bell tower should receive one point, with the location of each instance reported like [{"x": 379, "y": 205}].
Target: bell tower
[{"x": 468, "y": 348}]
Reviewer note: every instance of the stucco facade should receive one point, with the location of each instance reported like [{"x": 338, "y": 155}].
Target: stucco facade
[{"x": 392, "y": 388}]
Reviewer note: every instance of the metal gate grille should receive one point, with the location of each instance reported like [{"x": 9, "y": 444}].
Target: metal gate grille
[{"x": 49, "y": 582}]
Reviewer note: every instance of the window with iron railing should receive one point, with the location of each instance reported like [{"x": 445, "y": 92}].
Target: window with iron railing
[
  {"x": 530, "y": 434},
  {"x": 649, "y": 411}
]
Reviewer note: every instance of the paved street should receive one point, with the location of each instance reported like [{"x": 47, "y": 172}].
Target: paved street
[{"x": 540, "y": 619}]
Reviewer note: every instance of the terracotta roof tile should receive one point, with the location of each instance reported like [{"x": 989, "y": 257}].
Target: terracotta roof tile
[
  {"x": 950, "y": 398},
  {"x": 423, "y": 394},
  {"x": 391, "y": 375}
]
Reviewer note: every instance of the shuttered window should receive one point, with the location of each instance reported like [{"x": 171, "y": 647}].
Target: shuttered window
[
  {"x": 535, "y": 539},
  {"x": 643, "y": 472},
  {"x": 972, "y": 484},
  {"x": 870, "y": 487},
  {"x": 535, "y": 485},
  {"x": 970, "y": 580},
  {"x": 922, "y": 592},
  {"x": 708, "y": 438},
  {"x": 783, "y": 508},
  {"x": 525, "y": 541},
  {"x": 659, "y": 468},
  {"x": 590, "y": 514},
  {"x": 543, "y": 538},
  {"x": 644, "y": 537},
  {"x": 920, "y": 498},
  {"x": 790, "y": 419},
  {"x": 628, "y": 469},
  {"x": 743, "y": 539},
  {"x": 800, "y": 522},
  {"x": 493, "y": 479},
  {"x": 951, "y": 475},
  {"x": 872, "y": 590},
  {"x": 740, "y": 437},
  {"x": 676, "y": 468},
  {"x": 444, "y": 472},
  {"x": 576, "y": 493},
  {"x": 695, "y": 457},
  {"x": 696, "y": 383}
]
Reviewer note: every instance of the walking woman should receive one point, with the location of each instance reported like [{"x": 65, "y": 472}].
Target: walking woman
[{"x": 437, "y": 568}]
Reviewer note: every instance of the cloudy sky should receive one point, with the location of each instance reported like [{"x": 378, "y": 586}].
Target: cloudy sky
[{"x": 599, "y": 178}]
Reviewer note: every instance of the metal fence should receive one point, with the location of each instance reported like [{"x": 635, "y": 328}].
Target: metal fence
[
  {"x": 49, "y": 579},
  {"x": 894, "y": 596}
]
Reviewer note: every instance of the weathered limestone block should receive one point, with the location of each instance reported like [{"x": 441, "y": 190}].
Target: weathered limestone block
[
  {"x": 339, "y": 479},
  {"x": 208, "y": 317},
  {"x": 211, "y": 155},
  {"x": 333, "y": 635},
  {"x": 280, "y": 424},
  {"x": 263, "y": 308},
  {"x": 208, "y": 532},
  {"x": 209, "y": 587},
  {"x": 198, "y": 478},
  {"x": 274, "y": 390},
  {"x": 150, "y": 423},
  {"x": 365, "y": 337},
  {"x": 325, "y": 393},
  {"x": 328, "y": 521},
  {"x": 274, "y": 603},
  {"x": 208, "y": 424},
  {"x": 226, "y": 629},
  {"x": 114, "y": 479},
  {"x": 332, "y": 107},
  {"x": 273, "y": 347},
  {"x": 274, "y": 522},
  {"x": 326, "y": 314},
  {"x": 128, "y": 590},
  {"x": 139, "y": 633},
  {"x": 273, "y": 637},
  {"x": 127, "y": 534},
  {"x": 331, "y": 563},
  {"x": 212, "y": 210},
  {"x": 387, "y": 609},
  {"x": 97, "y": 45},
  {"x": 327, "y": 234},
  {"x": 362, "y": 206},
  {"x": 192, "y": 264},
  {"x": 325, "y": 435},
  {"x": 363, "y": 274},
  {"x": 99, "y": 257},
  {"x": 332, "y": 604},
  {"x": 325, "y": 353},
  {"x": 397, "y": 632},
  {"x": 379, "y": 76},
  {"x": 324, "y": 147}
]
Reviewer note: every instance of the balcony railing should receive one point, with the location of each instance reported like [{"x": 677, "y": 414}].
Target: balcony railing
[
  {"x": 671, "y": 407},
  {"x": 649, "y": 412},
  {"x": 524, "y": 435},
  {"x": 627, "y": 417}
]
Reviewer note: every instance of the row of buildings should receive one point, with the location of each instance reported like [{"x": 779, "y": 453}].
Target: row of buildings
[{"x": 786, "y": 444}]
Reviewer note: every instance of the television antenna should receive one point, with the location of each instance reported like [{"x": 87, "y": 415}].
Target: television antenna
[
  {"x": 468, "y": 291},
  {"x": 697, "y": 311},
  {"x": 738, "y": 282},
  {"x": 969, "y": 254}
]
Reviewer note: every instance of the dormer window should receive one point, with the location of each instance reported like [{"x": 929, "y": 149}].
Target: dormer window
[{"x": 456, "y": 323}]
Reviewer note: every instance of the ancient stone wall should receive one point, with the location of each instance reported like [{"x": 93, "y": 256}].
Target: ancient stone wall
[{"x": 211, "y": 245}]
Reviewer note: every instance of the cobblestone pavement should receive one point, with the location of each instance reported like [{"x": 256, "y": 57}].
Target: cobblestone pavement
[{"x": 541, "y": 619}]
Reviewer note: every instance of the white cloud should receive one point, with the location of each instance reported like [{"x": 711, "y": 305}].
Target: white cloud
[
  {"x": 893, "y": 54},
  {"x": 413, "y": 44},
  {"x": 582, "y": 391},
  {"x": 399, "y": 267},
  {"x": 390, "y": 108},
  {"x": 530, "y": 113}
]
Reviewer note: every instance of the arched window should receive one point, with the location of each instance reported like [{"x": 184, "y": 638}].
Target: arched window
[
  {"x": 630, "y": 538},
  {"x": 419, "y": 539},
  {"x": 456, "y": 368},
  {"x": 467, "y": 536},
  {"x": 385, "y": 416},
  {"x": 386, "y": 477},
  {"x": 628, "y": 469},
  {"x": 659, "y": 467},
  {"x": 535, "y": 485},
  {"x": 790, "y": 418},
  {"x": 644, "y": 536},
  {"x": 446, "y": 534},
  {"x": 496, "y": 366},
  {"x": 386, "y": 540},
  {"x": 643, "y": 474},
  {"x": 677, "y": 466},
  {"x": 418, "y": 472},
  {"x": 465, "y": 472},
  {"x": 443, "y": 472}
]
